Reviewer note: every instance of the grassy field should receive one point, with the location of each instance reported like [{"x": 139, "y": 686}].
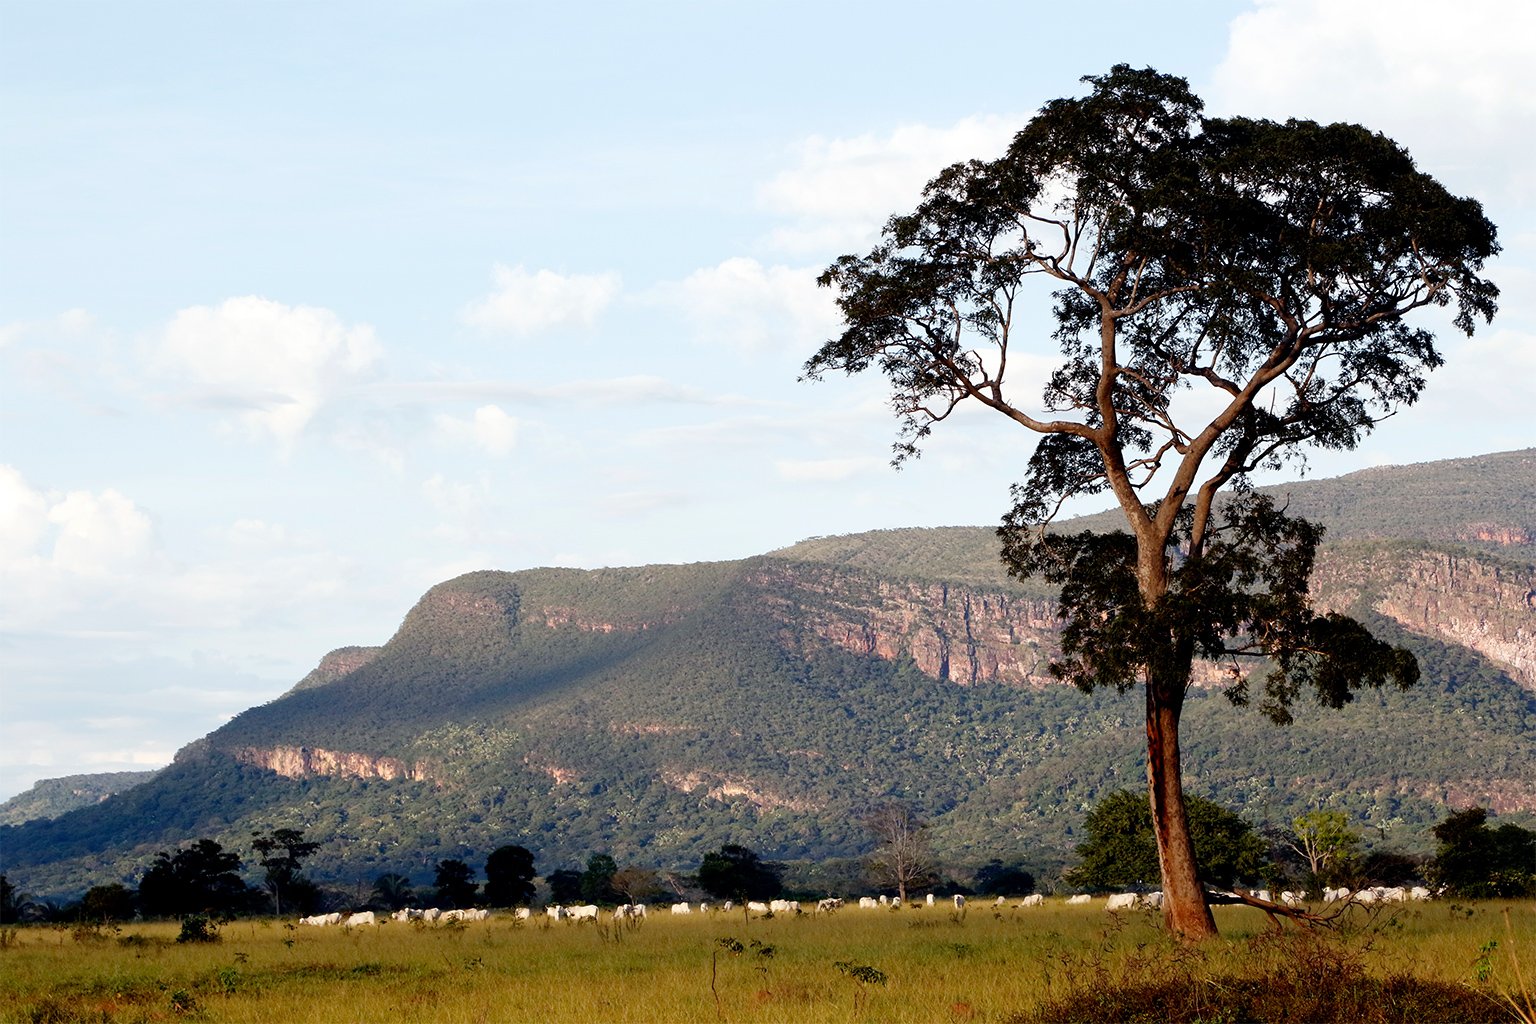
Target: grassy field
[{"x": 856, "y": 965}]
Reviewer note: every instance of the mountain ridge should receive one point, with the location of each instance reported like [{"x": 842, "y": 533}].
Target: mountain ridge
[{"x": 657, "y": 711}]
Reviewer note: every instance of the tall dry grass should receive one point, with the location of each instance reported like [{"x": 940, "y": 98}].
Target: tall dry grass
[{"x": 856, "y": 965}]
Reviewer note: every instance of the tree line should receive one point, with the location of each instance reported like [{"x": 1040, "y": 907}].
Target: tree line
[{"x": 1474, "y": 859}]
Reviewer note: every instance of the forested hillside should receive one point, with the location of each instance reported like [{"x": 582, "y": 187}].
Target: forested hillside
[{"x": 657, "y": 712}]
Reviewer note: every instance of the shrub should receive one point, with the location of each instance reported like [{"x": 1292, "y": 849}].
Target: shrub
[{"x": 198, "y": 928}]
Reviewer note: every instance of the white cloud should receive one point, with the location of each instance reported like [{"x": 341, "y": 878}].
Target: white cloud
[
  {"x": 71, "y": 322},
  {"x": 23, "y": 517},
  {"x": 827, "y": 470},
  {"x": 272, "y": 365},
  {"x": 639, "y": 389},
  {"x": 79, "y": 533},
  {"x": 455, "y": 500},
  {"x": 90, "y": 563},
  {"x": 742, "y": 304},
  {"x": 843, "y": 190},
  {"x": 1484, "y": 385},
  {"x": 1451, "y": 86},
  {"x": 525, "y": 303},
  {"x": 490, "y": 428},
  {"x": 99, "y": 534}
]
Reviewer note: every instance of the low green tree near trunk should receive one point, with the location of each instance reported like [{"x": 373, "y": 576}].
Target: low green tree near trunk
[
  {"x": 1326, "y": 842},
  {"x": 1121, "y": 849},
  {"x": 1225, "y": 293}
]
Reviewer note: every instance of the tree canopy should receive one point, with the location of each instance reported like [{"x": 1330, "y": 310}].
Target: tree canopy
[
  {"x": 1480, "y": 862},
  {"x": 1326, "y": 842},
  {"x": 1121, "y": 851},
  {"x": 736, "y": 873},
  {"x": 509, "y": 874},
  {"x": 201, "y": 878},
  {"x": 282, "y": 853},
  {"x": 454, "y": 883},
  {"x": 1224, "y": 294}
]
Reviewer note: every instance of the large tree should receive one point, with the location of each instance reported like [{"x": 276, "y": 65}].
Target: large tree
[
  {"x": 1225, "y": 293},
  {"x": 454, "y": 884},
  {"x": 1121, "y": 852},
  {"x": 282, "y": 853},
  {"x": 509, "y": 874},
  {"x": 736, "y": 873},
  {"x": 903, "y": 857},
  {"x": 199, "y": 879},
  {"x": 1479, "y": 862}
]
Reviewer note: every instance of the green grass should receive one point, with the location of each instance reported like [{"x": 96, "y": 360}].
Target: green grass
[{"x": 910, "y": 965}]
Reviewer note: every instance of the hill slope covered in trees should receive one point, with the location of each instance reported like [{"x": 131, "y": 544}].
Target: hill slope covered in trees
[{"x": 657, "y": 712}]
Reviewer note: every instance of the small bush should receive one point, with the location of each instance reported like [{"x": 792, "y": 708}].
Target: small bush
[{"x": 198, "y": 928}]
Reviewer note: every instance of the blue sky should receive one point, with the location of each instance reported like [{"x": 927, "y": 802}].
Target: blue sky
[{"x": 305, "y": 307}]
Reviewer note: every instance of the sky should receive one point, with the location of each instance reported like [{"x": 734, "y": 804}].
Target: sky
[{"x": 305, "y": 307}]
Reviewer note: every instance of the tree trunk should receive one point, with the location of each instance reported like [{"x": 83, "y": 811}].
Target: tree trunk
[{"x": 1184, "y": 909}]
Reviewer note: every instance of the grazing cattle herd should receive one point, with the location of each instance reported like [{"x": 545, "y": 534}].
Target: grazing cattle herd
[{"x": 780, "y": 907}]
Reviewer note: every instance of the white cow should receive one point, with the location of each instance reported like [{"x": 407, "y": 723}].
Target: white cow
[
  {"x": 452, "y": 915},
  {"x": 1081, "y": 898},
  {"x": 523, "y": 913},
  {"x": 828, "y": 905},
  {"x": 1121, "y": 901},
  {"x": 1153, "y": 900},
  {"x": 1291, "y": 899},
  {"x": 784, "y": 906},
  {"x": 959, "y": 902},
  {"x": 729, "y": 904},
  {"x": 556, "y": 912},
  {"x": 1418, "y": 892},
  {"x": 1261, "y": 894},
  {"x": 1000, "y": 901},
  {"x": 930, "y": 899},
  {"x": 631, "y": 910},
  {"x": 884, "y": 899},
  {"x": 366, "y": 917},
  {"x": 756, "y": 907},
  {"x": 868, "y": 903},
  {"x": 1032, "y": 900},
  {"x": 586, "y": 913},
  {"x": 681, "y": 908},
  {"x": 319, "y": 920}
]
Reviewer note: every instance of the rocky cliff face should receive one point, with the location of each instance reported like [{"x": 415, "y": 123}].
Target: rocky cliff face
[
  {"x": 306, "y": 762},
  {"x": 1456, "y": 598},
  {"x": 951, "y": 632},
  {"x": 725, "y": 789}
]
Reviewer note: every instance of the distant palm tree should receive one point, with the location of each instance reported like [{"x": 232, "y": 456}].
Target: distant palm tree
[{"x": 392, "y": 891}]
